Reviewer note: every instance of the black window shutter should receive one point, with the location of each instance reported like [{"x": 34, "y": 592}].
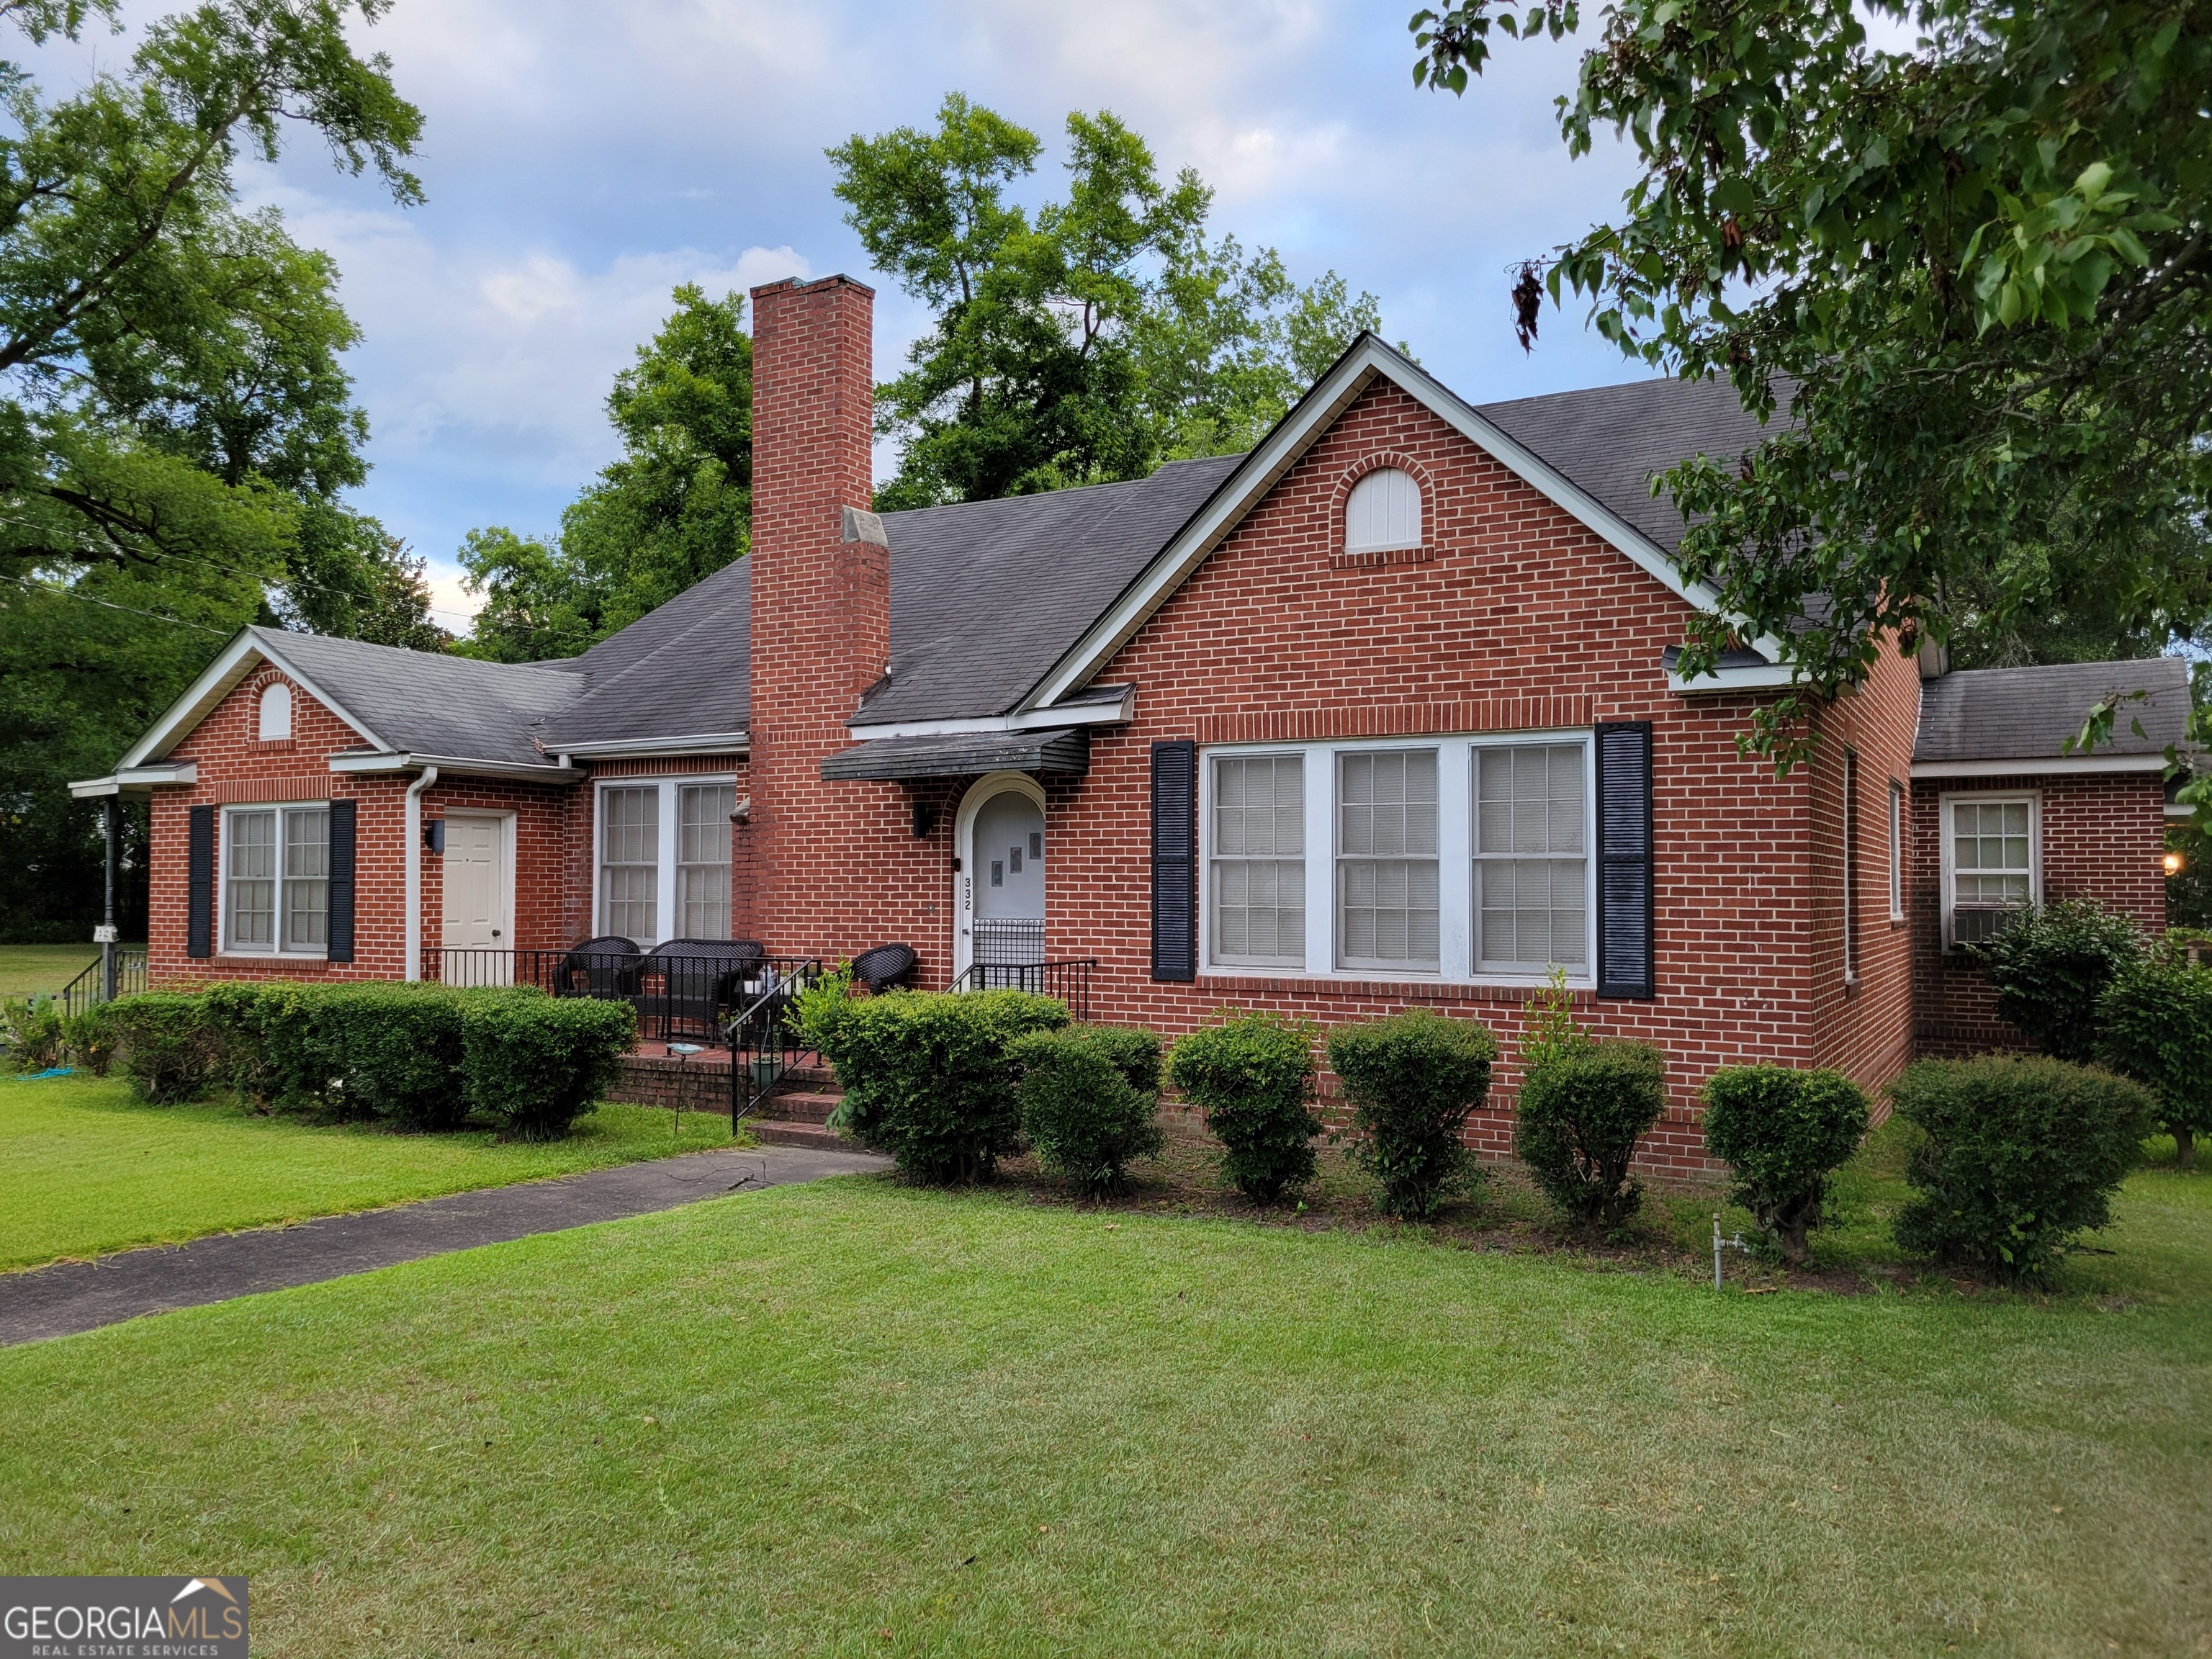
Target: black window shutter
[
  {"x": 199, "y": 883},
  {"x": 341, "y": 829},
  {"x": 1625, "y": 878},
  {"x": 1174, "y": 861}
]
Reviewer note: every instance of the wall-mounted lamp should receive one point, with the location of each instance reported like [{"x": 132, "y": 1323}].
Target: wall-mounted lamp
[
  {"x": 2175, "y": 864},
  {"x": 743, "y": 812},
  {"x": 434, "y": 834},
  {"x": 925, "y": 820}
]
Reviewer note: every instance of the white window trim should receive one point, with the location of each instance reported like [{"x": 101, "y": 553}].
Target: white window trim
[
  {"x": 664, "y": 850},
  {"x": 1854, "y": 887},
  {"x": 2034, "y": 797},
  {"x": 224, "y": 946},
  {"x": 1896, "y": 812},
  {"x": 1455, "y": 856}
]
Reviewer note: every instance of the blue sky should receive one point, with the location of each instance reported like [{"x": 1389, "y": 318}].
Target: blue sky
[{"x": 582, "y": 159}]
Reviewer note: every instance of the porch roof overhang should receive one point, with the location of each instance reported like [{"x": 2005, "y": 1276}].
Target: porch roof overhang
[
  {"x": 136, "y": 780},
  {"x": 1064, "y": 751}
]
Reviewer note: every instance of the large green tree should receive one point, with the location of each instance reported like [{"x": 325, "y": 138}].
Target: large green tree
[
  {"x": 1089, "y": 340},
  {"x": 675, "y": 508},
  {"x": 1976, "y": 272},
  {"x": 174, "y": 425}
]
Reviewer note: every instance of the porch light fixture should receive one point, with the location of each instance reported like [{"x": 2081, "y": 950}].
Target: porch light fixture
[
  {"x": 925, "y": 820},
  {"x": 2175, "y": 864}
]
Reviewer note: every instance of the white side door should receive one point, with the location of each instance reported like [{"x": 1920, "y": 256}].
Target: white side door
[{"x": 478, "y": 896}]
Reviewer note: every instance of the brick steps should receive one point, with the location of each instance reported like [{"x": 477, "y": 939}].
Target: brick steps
[{"x": 797, "y": 1112}]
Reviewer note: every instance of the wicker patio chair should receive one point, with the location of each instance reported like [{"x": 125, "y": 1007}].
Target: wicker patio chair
[
  {"x": 605, "y": 967},
  {"x": 884, "y": 966}
]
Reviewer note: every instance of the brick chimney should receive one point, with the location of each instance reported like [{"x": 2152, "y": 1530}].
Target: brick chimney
[{"x": 821, "y": 589}]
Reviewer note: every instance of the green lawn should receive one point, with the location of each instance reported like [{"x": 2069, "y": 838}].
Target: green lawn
[
  {"x": 857, "y": 1419},
  {"x": 86, "y": 1170},
  {"x": 30, "y": 971}
]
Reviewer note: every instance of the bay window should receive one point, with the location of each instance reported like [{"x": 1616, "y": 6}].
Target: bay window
[
  {"x": 276, "y": 887},
  {"x": 1457, "y": 857}
]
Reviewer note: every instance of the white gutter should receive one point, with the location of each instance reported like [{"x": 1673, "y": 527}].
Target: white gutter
[
  {"x": 1117, "y": 711},
  {"x": 705, "y": 743},
  {"x": 413, "y": 931},
  {"x": 135, "y": 779},
  {"x": 350, "y": 761},
  {"x": 2028, "y": 766}
]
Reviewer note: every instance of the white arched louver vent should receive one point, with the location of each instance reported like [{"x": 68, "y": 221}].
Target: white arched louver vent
[
  {"x": 276, "y": 711},
  {"x": 1384, "y": 513}
]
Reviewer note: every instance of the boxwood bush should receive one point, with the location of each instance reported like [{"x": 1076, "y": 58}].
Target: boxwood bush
[
  {"x": 2020, "y": 1155},
  {"x": 1253, "y": 1077},
  {"x": 271, "y": 1046},
  {"x": 1784, "y": 1133},
  {"x": 1090, "y": 1098},
  {"x": 536, "y": 1063},
  {"x": 1411, "y": 1080},
  {"x": 165, "y": 1045},
  {"x": 927, "y": 1077},
  {"x": 2155, "y": 1026},
  {"x": 1581, "y": 1113},
  {"x": 2050, "y": 965}
]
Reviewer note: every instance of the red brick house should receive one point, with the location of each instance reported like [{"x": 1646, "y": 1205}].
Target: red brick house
[{"x": 1383, "y": 713}]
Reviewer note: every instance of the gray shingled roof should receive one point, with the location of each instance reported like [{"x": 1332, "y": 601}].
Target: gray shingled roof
[
  {"x": 681, "y": 670},
  {"x": 427, "y": 703},
  {"x": 1614, "y": 440},
  {"x": 2028, "y": 713},
  {"x": 986, "y": 596}
]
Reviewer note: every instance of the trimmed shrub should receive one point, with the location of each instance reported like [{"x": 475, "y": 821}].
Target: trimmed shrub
[
  {"x": 1582, "y": 1112},
  {"x": 2050, "y": 965},
  {"x": 90, "y": 1039},
  {"x": 1090, "y": 1098},
  {"x": 1784, "y": 1133},
  {"x": 538, "y": 1063},
  {"x": 398, "y": 1050},
  {"x": 1253, "y": 1076},
  {"x": 2156, "y": 1027},
  {"x": 34, "y": 1033},
  {"x": 926, "y": 1075},
  {"x": 272, "y": 1047},
  {"x": 2020, "y": 1155},
  {"x": 1411, "y": 1080},
  {"x": 165, "y": 1044}
]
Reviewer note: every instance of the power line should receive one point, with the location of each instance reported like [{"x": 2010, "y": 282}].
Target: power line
[{"x": 109, "y": 604}]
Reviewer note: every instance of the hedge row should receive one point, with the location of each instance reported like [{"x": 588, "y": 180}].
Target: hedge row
[{"x": 414, "y": 1055}]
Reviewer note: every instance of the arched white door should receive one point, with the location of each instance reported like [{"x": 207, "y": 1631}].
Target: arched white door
[{"x": 1001, "y": 922}]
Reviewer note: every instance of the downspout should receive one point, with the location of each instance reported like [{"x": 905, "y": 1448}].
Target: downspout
[{"x": 413, "y": 902}]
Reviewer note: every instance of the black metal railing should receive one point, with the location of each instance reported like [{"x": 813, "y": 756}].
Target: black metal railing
[
  {"x": 1070, "y": 982},
  {"x": 678, "y": 998},
  {"x": 89, "y": 988},
  {"x": 1009, "y": 942},
  {"x": 764, "y": 1046}
]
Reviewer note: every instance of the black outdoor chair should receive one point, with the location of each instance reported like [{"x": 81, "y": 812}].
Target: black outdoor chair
[
  {"x": 884, "y": 966},
  {"x": 605, "y": 967},
  {"x": 688, "y": 982}
]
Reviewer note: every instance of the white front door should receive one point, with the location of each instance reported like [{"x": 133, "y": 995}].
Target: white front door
[
  {"x": 1006, "y": 864},
  {"x": 477, "y": 910}
]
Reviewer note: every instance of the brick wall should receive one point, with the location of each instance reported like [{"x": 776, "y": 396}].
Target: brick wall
[
  {"x": 236, "y": 768},
  {"x": 1515, "y": 617},
  {"x": 2103, "y": 835}
]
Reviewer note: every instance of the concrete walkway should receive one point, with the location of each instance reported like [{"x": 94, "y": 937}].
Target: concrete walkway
[{"x": 81, "y": 1295}]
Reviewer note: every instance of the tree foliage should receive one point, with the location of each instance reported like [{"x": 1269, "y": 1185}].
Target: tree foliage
[
  {"x": 1976, "y": 273},
  {"x": 175, "y": 427},
  {"x": 676, "y": 508},
  {"x": 1089, "y": 340}
]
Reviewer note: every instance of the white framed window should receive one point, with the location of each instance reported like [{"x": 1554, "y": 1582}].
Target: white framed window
[
  {"x": 273, "y": 714},
  {"x": 1459, "y": 858},
  {"x": 277, "y": 879},
  {"x": 1383, "y": 512},
  {"x": 1532, "y": 858},
  {"x": 1256, "y": 842},
  {"x": 1992, "y": 863},
  {"x": 1850, "y": 868},
  {"x": 664, "y": 858},
  {"x": 1389, "y": 913},
  {"x": 703, "y": 855},
  {"x": 1896, "y": 851}
]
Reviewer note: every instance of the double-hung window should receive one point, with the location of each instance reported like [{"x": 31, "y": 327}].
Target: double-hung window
[
  {"x": 1387, "y": 903},
  {"x": 1531, "y": 859},
  {"x": 1458, "y": 858},
  {"x": 1896, "y": 851},
  {"x": 1990, "y": 856},
  {"x": 1257, "y": 842},
  {"x": 664, "y": 858},
  {"x": 277, "y": 879}
]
